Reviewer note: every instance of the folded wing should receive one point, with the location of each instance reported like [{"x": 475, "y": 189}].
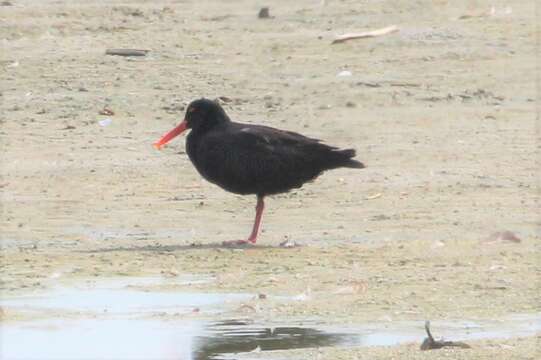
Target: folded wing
[{"x": 252, "y": 159}]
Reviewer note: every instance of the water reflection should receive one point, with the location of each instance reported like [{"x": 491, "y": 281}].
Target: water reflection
[{"x": 238, "y": 337}]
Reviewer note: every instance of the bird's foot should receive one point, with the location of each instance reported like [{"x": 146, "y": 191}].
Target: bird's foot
[{"x": 237, "y": 243}]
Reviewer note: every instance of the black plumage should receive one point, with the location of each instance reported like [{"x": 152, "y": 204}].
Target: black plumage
[{"x": 253, "y": 159}]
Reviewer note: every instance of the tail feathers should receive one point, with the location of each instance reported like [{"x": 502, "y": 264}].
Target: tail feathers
[{"x": 346, "y": 159}]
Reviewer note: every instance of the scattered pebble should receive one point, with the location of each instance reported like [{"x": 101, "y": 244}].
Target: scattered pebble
[
  {"x": 224, "y": 99},
  {"x": 344, "y": 73},
  {"x": 264, "y": 13},
  {"x": 173, "y": 108},
  {"x": 106, "y": 111},
  {"x": 170, "y": 273},
  {"x": 288, "y": 243},
  {"x": 503, "y": 236}
]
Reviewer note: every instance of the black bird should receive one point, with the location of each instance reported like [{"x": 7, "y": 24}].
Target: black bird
[{"x": 253, "y": 159}]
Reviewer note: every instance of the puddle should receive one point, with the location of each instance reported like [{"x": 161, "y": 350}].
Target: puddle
[
  {"x": 120, "y": 301},
  {"x": 199, "y": 340},
  {"x": 130, "y": 296},
  {"x": 121, "y": 339},
  {"x": 128, "y": 319},
  {"x": 233, "y": 337}
]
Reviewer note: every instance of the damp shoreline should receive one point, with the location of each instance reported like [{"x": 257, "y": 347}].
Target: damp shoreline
[{"x": 104, "y": 318}]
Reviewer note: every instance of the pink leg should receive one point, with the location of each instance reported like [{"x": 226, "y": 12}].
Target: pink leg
[{"x": 257, "y": 222}]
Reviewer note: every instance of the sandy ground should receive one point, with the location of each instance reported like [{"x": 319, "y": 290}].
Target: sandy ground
[
  {"x": 522, "y": 348},
  {"x": 443, "y": 113}
]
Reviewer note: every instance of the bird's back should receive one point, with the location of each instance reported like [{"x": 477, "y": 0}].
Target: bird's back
[{"x": 254, "y": 159}]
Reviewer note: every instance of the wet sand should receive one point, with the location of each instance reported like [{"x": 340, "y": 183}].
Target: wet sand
[
  {"x": 442, "y": 113},
  {"x": 522, "y": 348}
]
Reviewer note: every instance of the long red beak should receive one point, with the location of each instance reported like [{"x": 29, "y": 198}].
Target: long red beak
[{"x": 171, "y": 134}]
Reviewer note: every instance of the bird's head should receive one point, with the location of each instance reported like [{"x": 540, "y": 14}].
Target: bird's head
[{"x": 201, "y": 116}]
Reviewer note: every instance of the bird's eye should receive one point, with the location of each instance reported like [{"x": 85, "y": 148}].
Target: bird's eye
[{"x": 191, "y": 110}]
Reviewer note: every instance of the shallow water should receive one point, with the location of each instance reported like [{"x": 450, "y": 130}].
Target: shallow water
[
  {"x": 238, "y": 336},
  {"x": 117, "y": 319},
  {"x": 123, "y": 296},
  {"x": 98, "y": 339},
  {"x": 200, "y": 340}
]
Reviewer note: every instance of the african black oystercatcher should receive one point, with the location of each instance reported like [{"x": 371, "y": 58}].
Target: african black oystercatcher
[{"x": 253, "y": 159}]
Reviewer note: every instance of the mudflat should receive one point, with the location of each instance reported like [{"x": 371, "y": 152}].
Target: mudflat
[{"x": 443, "y": 224}]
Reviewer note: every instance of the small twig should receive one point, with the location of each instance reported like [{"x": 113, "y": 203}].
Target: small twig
[
  {"x": 428, "y": 333},
  {"x": 366, "y": 34},
  {"x": 430, "y": 344},
  {"x": 126, "y": 52},
  {"x": 375, "y": 196},
  {"x": 406, "y": 84}
]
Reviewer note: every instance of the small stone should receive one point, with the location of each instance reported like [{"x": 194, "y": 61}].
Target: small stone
[
  {"x": 344, "y": 73},
  {"x": 224, "y": 99},
  {"x": 106, "y": 111},
  {"x": 288, "y": 243},
  {"x": 264, "y": 13},
  {"x": 503, "y": 236}
]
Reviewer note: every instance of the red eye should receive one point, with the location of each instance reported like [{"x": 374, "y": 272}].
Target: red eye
[{"x": 191, "y": 110}]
